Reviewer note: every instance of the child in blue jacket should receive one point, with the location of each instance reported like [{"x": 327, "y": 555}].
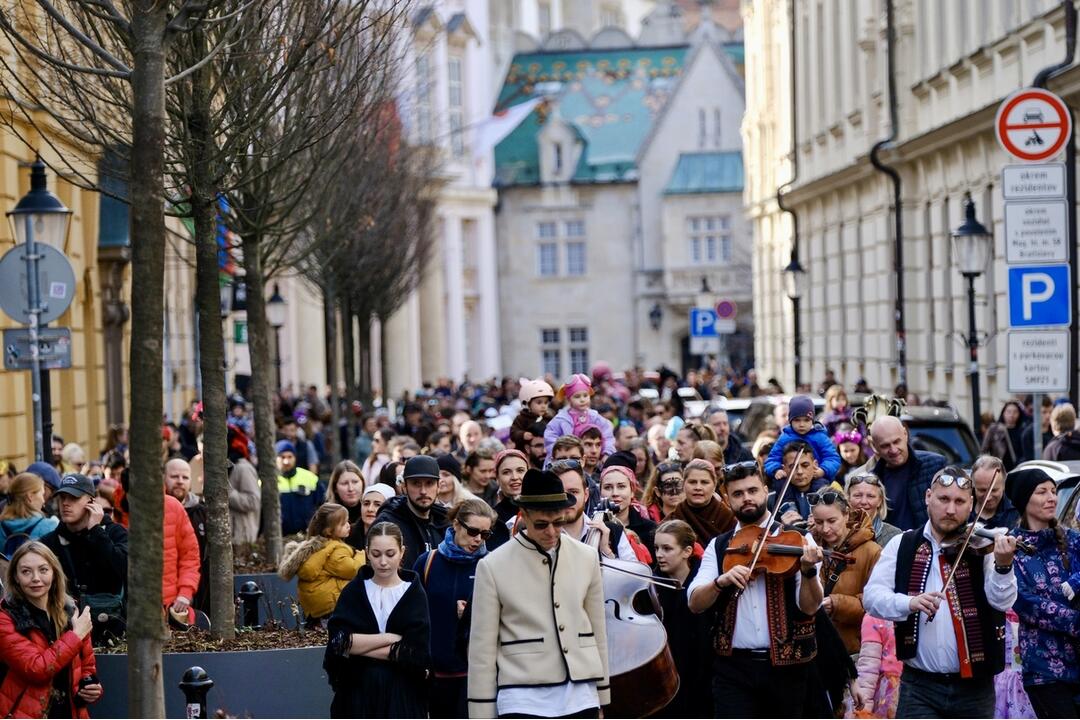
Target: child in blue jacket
[{"x": 801, "y": 426}]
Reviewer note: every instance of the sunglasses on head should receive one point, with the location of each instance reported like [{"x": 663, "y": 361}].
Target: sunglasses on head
[
  {"x": 740, "y": 470},
  {"x": 827, "y": 497},
  {"x": 867, "y": 478},
  {"x": 545, "y": 524},
  {"x": 476, "y": 532},
  {"x": 947, "y": 479}
]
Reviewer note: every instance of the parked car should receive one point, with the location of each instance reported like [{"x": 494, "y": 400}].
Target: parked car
[
  {"x": 1067, "y": 476},
  {"x": 940, "y": 430}
]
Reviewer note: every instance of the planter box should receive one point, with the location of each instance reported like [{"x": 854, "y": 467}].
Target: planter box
[
  {"x": 275, "y": 590},
  {"x": 257, "y": 683}
]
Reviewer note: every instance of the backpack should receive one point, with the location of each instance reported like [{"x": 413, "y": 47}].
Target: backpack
[{"x": 15, "y": 540}]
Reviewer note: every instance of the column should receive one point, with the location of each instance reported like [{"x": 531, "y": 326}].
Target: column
[
  {"x": 488, "y": 309},
  {"x": 453, "y": 268}
]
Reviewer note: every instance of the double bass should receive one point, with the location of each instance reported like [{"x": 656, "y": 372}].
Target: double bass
[{"x": 643, "y": 674}]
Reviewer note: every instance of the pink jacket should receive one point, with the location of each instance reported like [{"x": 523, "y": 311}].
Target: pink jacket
[
  {"x": 877, "y": 656},
  {"x": 568, "y": 422}
]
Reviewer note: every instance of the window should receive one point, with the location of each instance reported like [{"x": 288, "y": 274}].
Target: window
[
  {"x": 456, "y": 111},
  {"x": 424, "y": 80},
  {"x": 550, "y": 353},
  {"x": 547, "y": 259},
  {"x": 575, "y": 258},
  {"x": 575, "y": 228},
  {"x": 544, "y": 11},
  {"x": 610, "y": 17},
  {"x": 547, "y": 230},
  {"x": 558, "y": 158},
  {"x": 701, "y": 127},
  {"x": 709, "y": 239},
  {"x": 579, "y": 349},
  {"x": 716, "y": 127}
]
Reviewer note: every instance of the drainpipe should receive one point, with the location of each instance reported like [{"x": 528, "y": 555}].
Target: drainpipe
[
  {"x": 796, "y": 327},
  {"x": 898, "y": 220},
  {"x": 1070, "y": 196}
]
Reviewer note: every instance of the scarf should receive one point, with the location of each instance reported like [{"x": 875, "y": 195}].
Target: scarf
[
  {"x": 455, "y": 554},
  {"x": 708, "y": 521}
]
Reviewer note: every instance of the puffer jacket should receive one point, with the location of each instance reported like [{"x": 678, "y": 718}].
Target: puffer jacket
[
  {"x": 34, "y": 527},
  {"x": 818, "y": 440},
  {"x": 180, "y": 571},
  {"x": 847, "y": 608},
  {"x": 1049, "y": 622},
  {"x": 877, "y": 661},
  {"x": 33, "y": 661},
  {"x": 323, "y": 567}
]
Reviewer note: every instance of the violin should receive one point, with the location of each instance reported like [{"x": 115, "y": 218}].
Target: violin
[
  {"x": 780, "y": 555},
  {"x": 982, "y": 540}
]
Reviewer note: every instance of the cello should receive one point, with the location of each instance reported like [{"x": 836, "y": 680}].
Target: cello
[{"x": 642, "y": 671}]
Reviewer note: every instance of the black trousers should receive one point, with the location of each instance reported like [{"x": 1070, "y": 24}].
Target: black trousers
[
  {"x": 750, "y": 687},
  {"x": 449, "y": 697},
  {"x": 1054, "y": 700},
  {"x": 590, "y": 713}
]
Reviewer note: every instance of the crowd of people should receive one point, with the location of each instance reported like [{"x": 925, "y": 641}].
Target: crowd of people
[{"x": 457, "y": 553}]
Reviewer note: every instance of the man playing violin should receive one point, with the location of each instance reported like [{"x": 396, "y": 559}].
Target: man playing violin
[
  {"x": 950, "y": 657},
  {"x": 764, "y": 637}
]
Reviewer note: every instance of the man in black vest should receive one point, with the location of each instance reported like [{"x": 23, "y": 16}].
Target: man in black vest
[
  {"x": 765, "y": 636},
  {"x": 950, "y": 639}
]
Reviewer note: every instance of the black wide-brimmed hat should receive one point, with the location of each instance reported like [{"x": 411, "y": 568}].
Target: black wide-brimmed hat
[{"x": 542, "y": 490}]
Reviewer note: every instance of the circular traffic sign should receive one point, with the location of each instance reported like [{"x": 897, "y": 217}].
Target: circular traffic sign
[
  {"x": 56, "y": 284},
  {"x": 726, "y": 309},
  {"x": 1033, "y": 124}
]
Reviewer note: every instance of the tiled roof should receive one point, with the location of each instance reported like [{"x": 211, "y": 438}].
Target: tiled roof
[{"x": 707, "y": 172}]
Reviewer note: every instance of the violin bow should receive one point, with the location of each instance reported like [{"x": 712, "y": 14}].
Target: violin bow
[
  {"x": 772, "y": 518},
  {"x": 967, "y": 537}
]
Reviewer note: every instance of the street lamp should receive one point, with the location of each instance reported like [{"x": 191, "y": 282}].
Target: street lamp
[
  {"x": 39, "y": 217},
  {"x": 656, "y": 316},
  {"x": 971, "y": 252},
  {"x": 275, "y": 315},
  {"x": 795, "y": 284}
]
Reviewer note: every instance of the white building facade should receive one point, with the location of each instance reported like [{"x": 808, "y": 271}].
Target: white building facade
[{"x": 953, "y": 64}]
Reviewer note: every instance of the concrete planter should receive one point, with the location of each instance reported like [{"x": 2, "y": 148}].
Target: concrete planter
[
  {"x": 275, "y": 591},
  {"x": 286, "y": 683}
]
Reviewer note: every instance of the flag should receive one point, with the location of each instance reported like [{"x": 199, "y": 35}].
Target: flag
[{"x": 489, "y": 133}]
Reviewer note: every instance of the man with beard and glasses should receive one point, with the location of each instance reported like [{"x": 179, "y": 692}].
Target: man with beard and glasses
[
  {"x": 613, "y": 541},
  {"x": 422, "y": 521},
  {"x": 949, "y": 663},
  {"x": 765, "y": 629}
]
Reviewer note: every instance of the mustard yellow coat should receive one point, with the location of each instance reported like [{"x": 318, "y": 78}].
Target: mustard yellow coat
[{"x": 323, "y": 567}]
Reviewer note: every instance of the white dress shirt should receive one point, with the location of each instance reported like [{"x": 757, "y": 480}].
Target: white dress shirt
[
  {"x": 937, "y": 650},
  {"x": 751, "y": 614}
]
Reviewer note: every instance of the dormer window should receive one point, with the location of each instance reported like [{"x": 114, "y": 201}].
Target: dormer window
[{"x": 557, "y": 164}]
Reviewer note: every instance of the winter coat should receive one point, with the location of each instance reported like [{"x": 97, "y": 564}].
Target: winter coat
[
  {"x": 1063, "y": 447},
  {"x": 198, "y": 514},
  {"x": 1049, "y": 622},
  {"x": 847, "y": 608},
  {"x": 923, "y": 465},
  {"x": 34, "y": 527},
  {"x": 818, "y": 440},
  {"x": 33, "y": 660},
  {"x": 245, "y": 502},
  {"x": 447, "y": 580},
  {"x": 301, "y": 494},
  {"x": 563, "y": 424},
  {"x": 521, "y": 425},
  {"x": 94, "y": 560},
  {"x": 877, "y": 659},
  {"x": 833, "y": 418},
  {"x": 393, "y": 688},
  {"x": 690, "y": 639},
  {"x": 420, "y": 535},
  {"x": 323, "y": 566},
  {"x": 180, "y": 570}
]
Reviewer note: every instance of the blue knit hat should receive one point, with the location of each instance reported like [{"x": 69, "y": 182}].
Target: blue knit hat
[
  {"x": 46, "y": 472},
  {"x": 800, "y": 406},
  {"x": 284, "y": 446}
]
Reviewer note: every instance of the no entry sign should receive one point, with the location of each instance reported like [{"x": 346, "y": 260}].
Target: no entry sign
[{"x": 1033, "y": 124}]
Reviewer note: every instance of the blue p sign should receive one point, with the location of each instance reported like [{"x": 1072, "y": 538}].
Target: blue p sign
[
  {"x": 1039, "y": 296},
  {"x": 702, "y": 322}
]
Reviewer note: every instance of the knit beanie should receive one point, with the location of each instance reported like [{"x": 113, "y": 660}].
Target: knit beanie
[
  {"x": 450, "y": 464},
  {"x": 623, "y": 458},
  {"x": 800, "y": 406},
  {"x": 1020, "y": 486},
  {"x": 284, "y": 446}
]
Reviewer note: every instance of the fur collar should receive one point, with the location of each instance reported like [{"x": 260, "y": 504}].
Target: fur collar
[
  {"x": 296, "y": 553},
  {"x": 27, "y": 618}
]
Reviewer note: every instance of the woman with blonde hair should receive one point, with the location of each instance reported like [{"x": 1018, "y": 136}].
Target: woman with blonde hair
[
  {"x": 22, "y": 519},
  {"x": 44, "y": 642},
  {"x": 866, "y": 492}
]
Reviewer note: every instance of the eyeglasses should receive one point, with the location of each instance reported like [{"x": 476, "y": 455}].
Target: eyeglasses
[
  {"x": 865, "y": 478},
  {"x": 545, "y": 524},
  {"x": 475, "y": 532},
  {"x": 945, "y": 480},
  {"x": 827, "y": 497}
]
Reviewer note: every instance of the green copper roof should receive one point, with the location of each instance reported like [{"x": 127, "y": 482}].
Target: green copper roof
[
  {"x": 707, "y": 172},
  {"x": 736, "y": 51},
  {"x": 610, "y": 97}
]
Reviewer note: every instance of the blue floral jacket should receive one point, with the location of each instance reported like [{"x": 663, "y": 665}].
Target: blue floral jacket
[{"x": 1049, "y": 623}]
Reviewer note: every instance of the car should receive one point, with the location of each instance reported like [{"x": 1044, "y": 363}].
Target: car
[
  {"x": 941, "y": 430},
  {"x": 747, "y": 416},
  {"x": 1067, "y": 476}
]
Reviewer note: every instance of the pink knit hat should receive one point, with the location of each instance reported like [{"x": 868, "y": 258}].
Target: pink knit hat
[{"x": 575, "y": 383}]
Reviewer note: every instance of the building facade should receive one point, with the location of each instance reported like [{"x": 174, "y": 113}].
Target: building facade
[
  {"x": 620, "y": 202},
  {"x": 953, "y": 63}
]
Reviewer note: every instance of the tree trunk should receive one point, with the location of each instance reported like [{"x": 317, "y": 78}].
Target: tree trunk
[
  {"x": 348, "y": 348},
  {"x": 145, "y": 623},
  {"x": 363, "y": 385},
  {"x": 262, "y": 370},
  {"x": 330, "y": 314}
]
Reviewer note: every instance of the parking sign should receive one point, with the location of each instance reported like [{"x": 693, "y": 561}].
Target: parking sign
[{"x": 1039, "y": 296}]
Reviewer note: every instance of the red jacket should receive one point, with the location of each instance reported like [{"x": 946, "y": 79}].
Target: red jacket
[
  {"x": 180, "y": 574},
  {"x": 33, "y": 663}
]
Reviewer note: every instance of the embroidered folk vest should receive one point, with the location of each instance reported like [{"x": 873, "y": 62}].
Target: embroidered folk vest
[
  {"x": 980, "y": 629},
  {"x": 791, "y": 632}
]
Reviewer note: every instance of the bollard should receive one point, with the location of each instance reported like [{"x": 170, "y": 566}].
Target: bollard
[
  {"x": 249, "y": 595},
  {"x": 196, "y": 684}
]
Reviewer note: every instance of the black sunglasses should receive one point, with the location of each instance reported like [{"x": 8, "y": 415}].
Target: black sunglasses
[
  {"x": 476, "y": 532},
  {"x": 545, "y": 524},
  {"x": 827, "y": 497},
  {"x": 867, "y": 478},
  {"x": 740, "y": 470}
]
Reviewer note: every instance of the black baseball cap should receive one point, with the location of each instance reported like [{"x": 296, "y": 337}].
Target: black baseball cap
[
  {"x": 76, "y": 485},
  {"x": 421, "y": 466}
]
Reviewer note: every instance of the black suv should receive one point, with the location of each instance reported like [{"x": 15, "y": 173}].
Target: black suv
[{"x": 940, "y": 430}]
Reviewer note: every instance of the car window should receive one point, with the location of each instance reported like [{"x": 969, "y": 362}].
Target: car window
[
  {"x": 947, "y": 440},
  {"x": 1067, "y": 499}
]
